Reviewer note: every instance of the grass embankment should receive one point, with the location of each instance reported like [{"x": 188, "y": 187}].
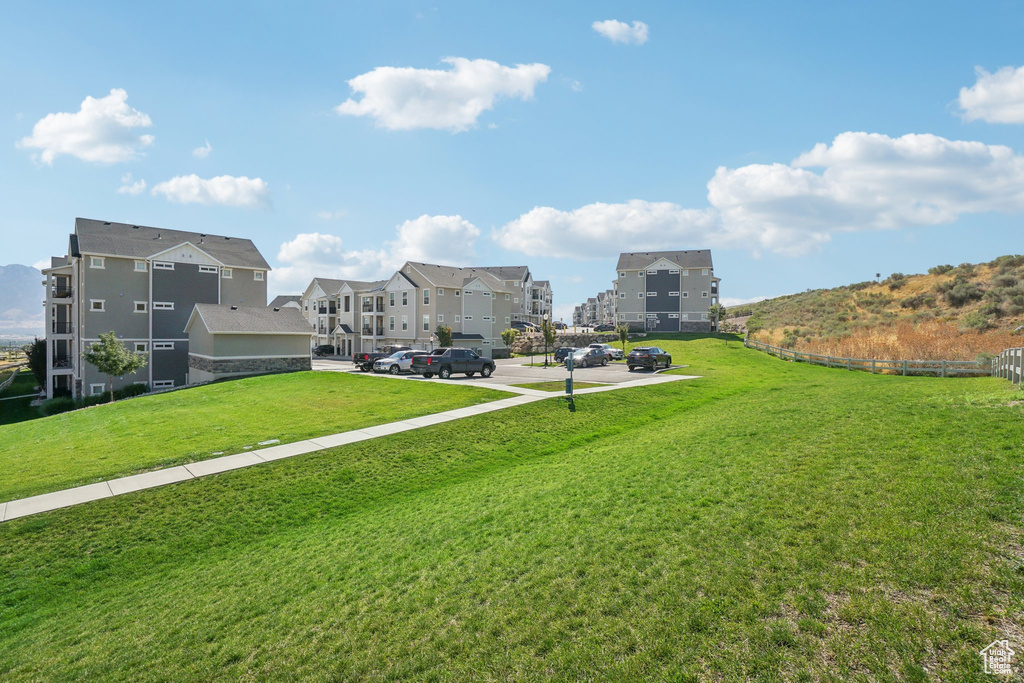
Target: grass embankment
[
  {"x": 559, "y": 386},
  {"x": 17, "y": 409},
  {"x": 150, "y": 432},
  {"x": 767, "y": 521}
]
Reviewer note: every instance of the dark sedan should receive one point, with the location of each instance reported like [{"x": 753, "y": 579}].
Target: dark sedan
[
  {"x": 587, "y": 357},
  {"x": 604, "y": 327},
  {"x": 562, "y": 353},
  {"x": 649, "y": 357}
]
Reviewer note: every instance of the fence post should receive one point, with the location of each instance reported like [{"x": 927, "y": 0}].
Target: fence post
[
  {"x": 848, "y": 362},
  {"x": 943, "y": 368},
  {"x": 904, "y": 368},
  {"x": 872, "y": 366}
]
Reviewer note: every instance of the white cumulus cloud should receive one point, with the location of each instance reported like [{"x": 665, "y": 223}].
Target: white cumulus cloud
[
  {"x": 103, "y": 130},
  {"x": 621, "y": 32},
  {"x": 995, "y": 97},
  {"x": 130, "y": 186},
  {"x": 861, "y": 181},
  {"x": 202, "y": 152},
  {"x": 225, "y": 189},
  {"x": 405, "y": 98},
  {"x": 443, "y": 239}
]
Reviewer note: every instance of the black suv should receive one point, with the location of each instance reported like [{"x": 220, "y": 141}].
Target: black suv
[
  {"x": 650, "y": 357},
  {"x": 445, "y": 361},
  {"x": 324, "y": 350}
]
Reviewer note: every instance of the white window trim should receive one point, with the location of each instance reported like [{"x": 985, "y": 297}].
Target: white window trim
[
  {"x": 440, "y": 317},
  {"x": 704, "y": 271},
  {"x": 144, "y": 309},
  {"x": 652, "y": 272},
  {"x": 207, "y": 269},
  {"x": 458, "y": 319},
  {"x": 673, "y": 293},
  {"x": 101, "y": 302},
  {"x": 163, "y": 265},
  {"x": 163, "y": 384},
  {"x": 516, "y": 300},
  {"x": 143, "y": 269},
  {"x": 685, "y": 316},
  {"x": 673, "y": 272},
  {"x": 405, "y": 298},
  {"x": 391, "y": 323},
  {"x": 686, "y": 273},
  {"x": 405, "y": 323},
  {"x": 468, "y": 317},
  {"x": 639, "y": 295},
  {"x": 703, "y": 316},
  {"x": 469, "y": 293},
  {"x": 440, "y": 291},
  {"x": 686, "y": 295},
  {"x": 507, "y": 297},
  {"x": 640, "y": 274},
  {"x": 226, "y": 273},
  {"x": 93, "y": 389},
  {"x": 458, "y": 292},
  {"x": 97, "y": 262},
  {"x": 257, "y": 275},
  {"x": 673, "y": 315},
  {"x": 622, "y": 316},
  {"x": 426, "y": 323},
  {"x": 506, "y": 320},
  {"x": 163, "y": 305},
  {"x": 142, "y": 345},
  {"x": 652, "y": 294},
  {"x": 622, "y": 274},
  {"x": 391, "y": 299},
  {"x": 704, "y": 295},
  {"x": 163, "y": 346},
  {"x": 426, "y": 297}
]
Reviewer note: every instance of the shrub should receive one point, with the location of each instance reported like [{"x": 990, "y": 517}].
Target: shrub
[
  {"x": 65, "y": 403},
  {"x": 1005, "y": 280},
  {"x": 940, "y": 270},
  {"x": 1008, "y": 261},
  {"x": 962, "y": 292},
  {"x": 975, "y": 320},
  {"x": 856, "y": 287},
  {"x": 918, "y": 301},
  {"x": 58, "y": 405},
  {"x": 965, "y": 269}
]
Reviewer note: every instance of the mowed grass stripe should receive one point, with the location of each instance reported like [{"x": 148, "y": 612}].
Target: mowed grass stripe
[
  {"x": 769, "y": 521},
  {"x": 163, "y": 430}
]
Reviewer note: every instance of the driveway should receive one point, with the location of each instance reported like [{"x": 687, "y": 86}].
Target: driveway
[{"x": 513, "y": 371}]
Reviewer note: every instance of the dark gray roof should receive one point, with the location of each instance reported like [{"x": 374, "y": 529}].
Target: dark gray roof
[
  {"x": 345, "y": 328},
  {"x": 463, "y": 336},
  {"x": 223, "y": 318},
  {"x": 542, "y": 283},
  {"x": 454, "y": 277},
  {"x": 638, "y": 260},
  {"x": 507, "y": 272},
  {"x": 138, "y": 241},
  {"x": 282, "y": 299}
]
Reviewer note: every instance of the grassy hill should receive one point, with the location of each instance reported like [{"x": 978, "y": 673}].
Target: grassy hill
[
  {"x": 959, "y": 311},
  {"x": 769, "y": 521}
]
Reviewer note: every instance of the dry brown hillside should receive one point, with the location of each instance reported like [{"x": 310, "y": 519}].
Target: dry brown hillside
[{"x": 949, "y": 312}]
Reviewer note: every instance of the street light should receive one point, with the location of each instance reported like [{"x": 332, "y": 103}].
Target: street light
[{"x": 544, "y": 331}]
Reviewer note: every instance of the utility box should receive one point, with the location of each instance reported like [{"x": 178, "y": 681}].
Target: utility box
[{"x": 568, "y": 385}]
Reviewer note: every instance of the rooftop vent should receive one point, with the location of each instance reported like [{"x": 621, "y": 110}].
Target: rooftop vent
[
  {"x": 276, "y": 309},
  {"x": 234, "y": 308},
  {"x": 106, "y": 222}
]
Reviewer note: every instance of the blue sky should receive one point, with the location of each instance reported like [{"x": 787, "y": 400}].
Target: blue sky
[{"x": 591, "y": 147}]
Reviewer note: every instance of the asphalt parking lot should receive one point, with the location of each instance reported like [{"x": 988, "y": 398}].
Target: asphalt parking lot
[{"x": 513, "y": 371}]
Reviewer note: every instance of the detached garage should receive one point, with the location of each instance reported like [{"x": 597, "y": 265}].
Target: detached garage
[{"x": 232, "y": 341}]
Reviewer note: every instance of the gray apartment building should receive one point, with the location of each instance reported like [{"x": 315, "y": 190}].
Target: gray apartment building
[
  {"x": 141, "y": 283},
  {"x": 666, "y": 291}
]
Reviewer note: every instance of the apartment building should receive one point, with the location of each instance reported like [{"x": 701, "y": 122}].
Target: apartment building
[
  {"x": 141, "y": 283},
  {"x": 577, "y": 316},
  {"x": 287, "y": 301},
  {"x": 541, "y": 301},
  {"x": 666, "y": 291},
  {"x": 518, "y": 281}
]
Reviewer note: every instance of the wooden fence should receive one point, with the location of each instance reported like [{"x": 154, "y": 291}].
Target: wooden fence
[
  {"x": 1009, "y": 364},
  {"x": 10, "y": 380},
  {"x": 940, "y": 368}
]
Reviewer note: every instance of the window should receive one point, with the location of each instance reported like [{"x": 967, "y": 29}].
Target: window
[
  {"x": 426, "y": 323},
  {"x": 686, "y": 273},
  {"x": 210, "y": 269},
  {"x": 440, "y": 291},
  {"x": 469, "y": 293},
  {"x": 652, "y": 272},
  {"x": 458, "y": 319},
  {"x": 703, "y": 316},
  {"x": 516, "y": 300},
  {"x": 257, "y": 275},
  {"x": 163, "y": 384},
  {"x": 97, "y": 304},
  {"x": 405, "y": 298},
  {"x": 622, "y": 274},
  {"x": 673, "y": 315},
  {"x": 141, "y": 306},
  {"x": 163, "y": 305},
  {"x": 226, "y": 273},
  {"x": 96, "y": 389},
  {"x": 347, "y": 304},
  {"x": 673, "y": 272},
  {"x": 640, "y": 274},
  {"x": 673, "y": 293},
  {"x": 639, "y": 316},
  {"x": 140, "y": 347},
  {"x": 163, "y": 265},
  {"x": 486, "y": 293},
  {"x": 686, "y": 295},
  {"x": 440, "y": 317},
  {"x": 506, "y": 320},
  {"x": 704, "y": 271},
  {"x": 391, "y": 298},
  {"x": 507, "y": 297},
  {"x": 652, "y": 294},
  {"x": 163, "y": 346},
  {"x": 458, "y": 292},
  {"x": 140, "y": 267},
  {"x": 469, "y": 317},
  {"x": 96, "y": 262},
  {"x": 704, "y": 295},
  {"x": 391, "y": 323},
  {"x": 622, "y": 316},
  {"x": 405, "y": 323},
  {"x": 426, "y": 297},
  {"x": 639, "y": 295}
]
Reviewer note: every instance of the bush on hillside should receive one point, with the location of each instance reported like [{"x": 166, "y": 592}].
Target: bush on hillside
[
  {"x": 940, "y": 270},
  {"x": 918, "y": 301},
  {"x": 961, "y": 292},
  {"x": 975, "y": 321},
  {"x": 1008, "y": 261},
  {"x": 964, "y": 270}
]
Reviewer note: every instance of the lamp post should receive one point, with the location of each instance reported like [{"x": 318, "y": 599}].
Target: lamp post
[{"x": 544, "y": 331}]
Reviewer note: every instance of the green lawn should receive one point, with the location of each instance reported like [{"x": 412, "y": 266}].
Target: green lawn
[
  {"x": 559, "y": 386},
  {"x": 17, "y": 410},
  {"x": 157, "y": 431},
  {"x": 768, "y": 521}
]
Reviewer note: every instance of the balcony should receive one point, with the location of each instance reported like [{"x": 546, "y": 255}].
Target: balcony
[
  {"x": 367, "y": 308},
  {"x": 322, "y": 310},
  {"x": 61, "y": 292},
  {"x": 62, "y": 362},
  {"x": 62, "y": 328},
  {"x": 367, "y": 331}
]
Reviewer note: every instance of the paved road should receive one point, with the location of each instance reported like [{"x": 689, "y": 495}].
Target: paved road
[{"x": 512, "y": 371}]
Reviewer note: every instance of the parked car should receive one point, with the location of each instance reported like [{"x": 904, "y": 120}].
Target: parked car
[
  {"x": 613, "y": 353},
  {"x": 588, "y": 357},
  {"x": 524, "y": 326},
  {"x": 650, "y": 357},
  {"x": 447, "y": 360},
  {"x": 559, "y": 325},
  {"x": 604, "y": 327},
  {"x": 563, "y": 353},
  {"x": 396, "y": 363},
  {"x": 364, "y": 360},
  {"x": 324, "y": 350}
]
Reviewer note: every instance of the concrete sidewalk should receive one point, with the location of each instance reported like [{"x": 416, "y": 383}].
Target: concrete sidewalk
[{"x": 172, "y": 475}]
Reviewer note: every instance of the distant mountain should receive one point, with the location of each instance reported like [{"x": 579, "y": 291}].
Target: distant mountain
[{"x": 21, "y": 302}]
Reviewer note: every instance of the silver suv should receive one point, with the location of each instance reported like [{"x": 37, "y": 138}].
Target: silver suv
[
  {"x": 396, "y": 363},
  {"x": 609, "y": 350}
]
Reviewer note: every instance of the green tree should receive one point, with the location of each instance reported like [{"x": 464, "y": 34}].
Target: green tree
[
  {"x": 36, "y": 354},
  {"x": 113, "y": 358},
  {"x": 509, "y": 337},
  {"x": 444, "y": 335},
  {"x": 717, "y": 312},
  {"x": 623, "y": 332},
  {"x": 549, "y": 333}
]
